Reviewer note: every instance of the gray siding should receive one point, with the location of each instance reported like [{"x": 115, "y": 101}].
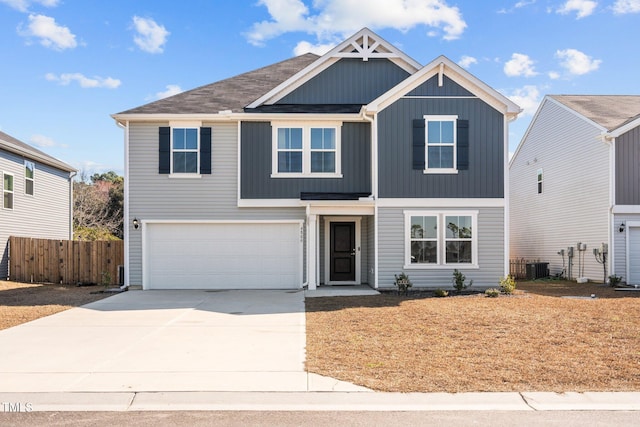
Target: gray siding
[
  {"x": 620, "y": 244},
  {"x": 348, "y": 81},
  {"x": 391, "y": 250},
  {"x": 211, "y": 197},
  {"x": 627, "y": 171},
  {"x": 448, "y": 88},
  {"x": 371, "y": 254},
  {"x": 485, "y": 175},
  {"x": 256, "y": 170},
  {"x": 44, "y": 215},
  {"x": 574, "y": 204}
]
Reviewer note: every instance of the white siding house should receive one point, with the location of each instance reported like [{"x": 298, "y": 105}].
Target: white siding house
[
  {"x": 562, "y": 185},
  {"x": 36, "y": 196}
]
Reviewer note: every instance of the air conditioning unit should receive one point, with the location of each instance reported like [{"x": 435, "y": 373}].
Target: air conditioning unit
[{"x": 537, "y": 270}]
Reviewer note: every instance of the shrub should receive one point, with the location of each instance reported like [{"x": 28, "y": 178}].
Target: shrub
[
  {"x": 441, "y": 293},
  {"x": 492, "y": 293},
  {"x": 614, "y": 280},
  {"x": 403, "y": 283},
  {"x": 508, "y": 284},
  {"x": 459, "y": 281}
]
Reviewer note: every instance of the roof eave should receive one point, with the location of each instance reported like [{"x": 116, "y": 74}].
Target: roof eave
[{"x": 47, "y": 160}]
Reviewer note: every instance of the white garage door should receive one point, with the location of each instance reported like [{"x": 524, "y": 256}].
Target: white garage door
[
  {"x": 222, "y": 255},
  {"x": 633, "y": 256}
]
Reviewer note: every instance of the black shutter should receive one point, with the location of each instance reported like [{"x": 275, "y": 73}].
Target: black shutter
[
  {"x": 205, "y": 150},
  {"x": 418, "y": 144},
  {"x": 164, "y": 150},
  {"x": 463, "y": 144}
]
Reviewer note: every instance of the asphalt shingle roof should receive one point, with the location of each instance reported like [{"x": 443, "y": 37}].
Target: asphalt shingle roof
[
  {"x": 9, "y": 143},
  {"x": 233, "y": 93},
  {"x": 609, "y": 111}
]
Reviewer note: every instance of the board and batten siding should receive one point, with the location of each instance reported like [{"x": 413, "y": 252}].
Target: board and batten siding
[
  {"x": 391, "y": 250},
  {"x": 44, "y": 215},
  {"x": 484, "y": 177},
  {"x": 256, "y": 161},
  {"x": 153, "y": 196},
  {"x": 627, "y": 172},
  {"x": 574, "y": 203},
  {"x": 348, "y": 81}
]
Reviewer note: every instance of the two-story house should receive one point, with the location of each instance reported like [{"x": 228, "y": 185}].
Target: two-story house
[
  {"x": 37, "y": 192},
  {"x": 575, "y": 179},
  {"x": 342, "y": 169}
]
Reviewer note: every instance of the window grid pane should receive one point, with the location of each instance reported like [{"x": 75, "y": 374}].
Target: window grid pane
[
  {"x": 458, "y": 236},
  {"x": 424, "y": 239},
  {"x": 440, "y": 144},
  {"x": 185, "y": 150}
]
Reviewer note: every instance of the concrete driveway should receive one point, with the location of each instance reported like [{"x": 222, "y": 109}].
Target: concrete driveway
[{"x": 166, "y": 341}]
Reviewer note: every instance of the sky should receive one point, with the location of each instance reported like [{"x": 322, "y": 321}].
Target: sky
[{"x": 67, "y": 65}]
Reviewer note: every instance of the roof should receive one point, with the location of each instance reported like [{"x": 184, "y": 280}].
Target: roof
[
  {"x": 13, "y": 145},
  {"x": 608, "y": 111},
  {"x": 233, "y": 93}
]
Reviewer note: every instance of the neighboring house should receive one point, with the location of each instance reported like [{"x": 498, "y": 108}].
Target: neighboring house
[
  {"x": 341, "y": 169},
  {"x": 575, "y": 179},
  {"x": 36, "y": 196}
]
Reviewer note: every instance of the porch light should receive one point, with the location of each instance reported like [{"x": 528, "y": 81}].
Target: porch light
[
  {"x": 136, "y": 223},
  {"x": 621, "y": 229}
]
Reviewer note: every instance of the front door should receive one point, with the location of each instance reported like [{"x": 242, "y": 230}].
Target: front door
[{"x": 342, "y": 252}]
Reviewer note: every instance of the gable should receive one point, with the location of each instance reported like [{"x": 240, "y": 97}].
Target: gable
[
  {"x": 432, "y": 88},
  {"x": 348, "y": 81}
]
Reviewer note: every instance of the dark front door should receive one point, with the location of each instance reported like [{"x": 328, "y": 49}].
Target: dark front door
[{"x": 343, "y": 252}]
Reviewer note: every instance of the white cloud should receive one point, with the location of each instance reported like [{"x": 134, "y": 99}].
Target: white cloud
[
  {"x": 519, "y": 65},
  {"x": 45, "y": 142},
  {"x": 621, "y": 7},
  {"x": 319, "y": 49},
  {"x": 50, "y": 33},
  {"x": 528, "y": 98},
  {"x": 582, "y": 8},
  {"x": 576, "y": 62},
  {"x": 23, "y": 5},
  {"x": 518, "y": 5},
  {"x": 171, "y": 90},
  {"x": 336, "y": 19},
  {"x": 466, "y": 61},
  {"x": 553, "y": 75},
  {"x": 151, "y": 37},
  {"x": 84, "y": 82}
]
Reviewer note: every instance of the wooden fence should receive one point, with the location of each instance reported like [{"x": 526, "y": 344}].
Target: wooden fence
[
  {"x": 518, "y": 267},
  {"x": 69, "y": 262}
]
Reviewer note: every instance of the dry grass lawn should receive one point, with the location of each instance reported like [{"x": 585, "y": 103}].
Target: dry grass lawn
[
  {"x": 533, "y": 341},
  {"x": 23, "y": 302}
]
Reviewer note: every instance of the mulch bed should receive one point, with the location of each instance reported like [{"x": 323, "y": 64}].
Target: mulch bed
[
  {"x": 23, "y": 302},
  {"x": 535, "y": 340}
]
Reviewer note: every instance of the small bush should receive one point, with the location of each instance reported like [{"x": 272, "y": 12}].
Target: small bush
[
  {"x": 459, "y": 281},
  {"x": 492, "y": 293},
  {"x": 441, "y": 293},
  {"x": 614, "y": 280},
  {"x": 403, "y": 283},
  {"x": 508, "y": 284}
]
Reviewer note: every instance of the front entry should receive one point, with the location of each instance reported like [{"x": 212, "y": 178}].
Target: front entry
[{"x": 342, "y": 252}]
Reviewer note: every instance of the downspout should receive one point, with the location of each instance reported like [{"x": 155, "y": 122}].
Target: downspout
[
  {"x": 71, "y": 176},
  {"x": 612, "y": 201},
  {"x": 507, "y": 205},
  {"x": 125, "y": 217},
  {"x": 373, "y": 121}
]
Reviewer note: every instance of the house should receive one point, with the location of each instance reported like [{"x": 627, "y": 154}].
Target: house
[
  {"x": 575, "y": 179},
  {"x": 36, "y": 199},
  {"x": 342, "y": 169}
]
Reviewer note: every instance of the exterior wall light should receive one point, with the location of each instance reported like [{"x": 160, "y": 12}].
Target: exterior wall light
[
  {"x": 621, "y": 229},
  {"x": 136, "y": 223}
]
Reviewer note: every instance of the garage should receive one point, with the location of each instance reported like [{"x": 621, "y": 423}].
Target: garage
[
  {"x": 222, "y": 255},
  {"x": 633, "y": 254}
]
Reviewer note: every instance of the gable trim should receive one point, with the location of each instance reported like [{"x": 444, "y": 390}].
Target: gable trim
[
  {"x": 372, "y": 46},
  {"x": 615, "y": 133}
]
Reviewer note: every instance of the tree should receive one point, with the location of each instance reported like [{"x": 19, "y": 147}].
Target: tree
[{"x": 98, "y": 206}]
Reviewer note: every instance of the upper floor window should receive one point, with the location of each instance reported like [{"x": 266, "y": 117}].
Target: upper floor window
[
  {"x": 29, "y": 177},
  {"x": 539, "y": 181},
  {"x": 306, "y": 151},
  {"x": 7, "y": 191},
  {"x": 184, "y": 148},
  {"x": 441, "y": 143}
]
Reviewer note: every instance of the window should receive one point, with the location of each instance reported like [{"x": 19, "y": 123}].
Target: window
[
  {"x": 184, "y": 147},
  {"x": 7, "y": 191},
  {"x": 438, "y": 239},
  {"x": 29, "y": 173},
  {"x": 306, "y": 151},
  {"x": 441, "y": 143},
  {"x": 539, "y": 181}
]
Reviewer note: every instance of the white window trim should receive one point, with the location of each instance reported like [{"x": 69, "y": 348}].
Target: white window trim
[
  {"x": 13, "y": 192},
  {"x": 306, "y": 150},
  {"x": 539, "y": 181},
  {"x": 33, "y": 180},
  {"x": 441, "y": 258},
  {"x": 185, "y": 125},
  {"x": 427, "y": 119}
]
